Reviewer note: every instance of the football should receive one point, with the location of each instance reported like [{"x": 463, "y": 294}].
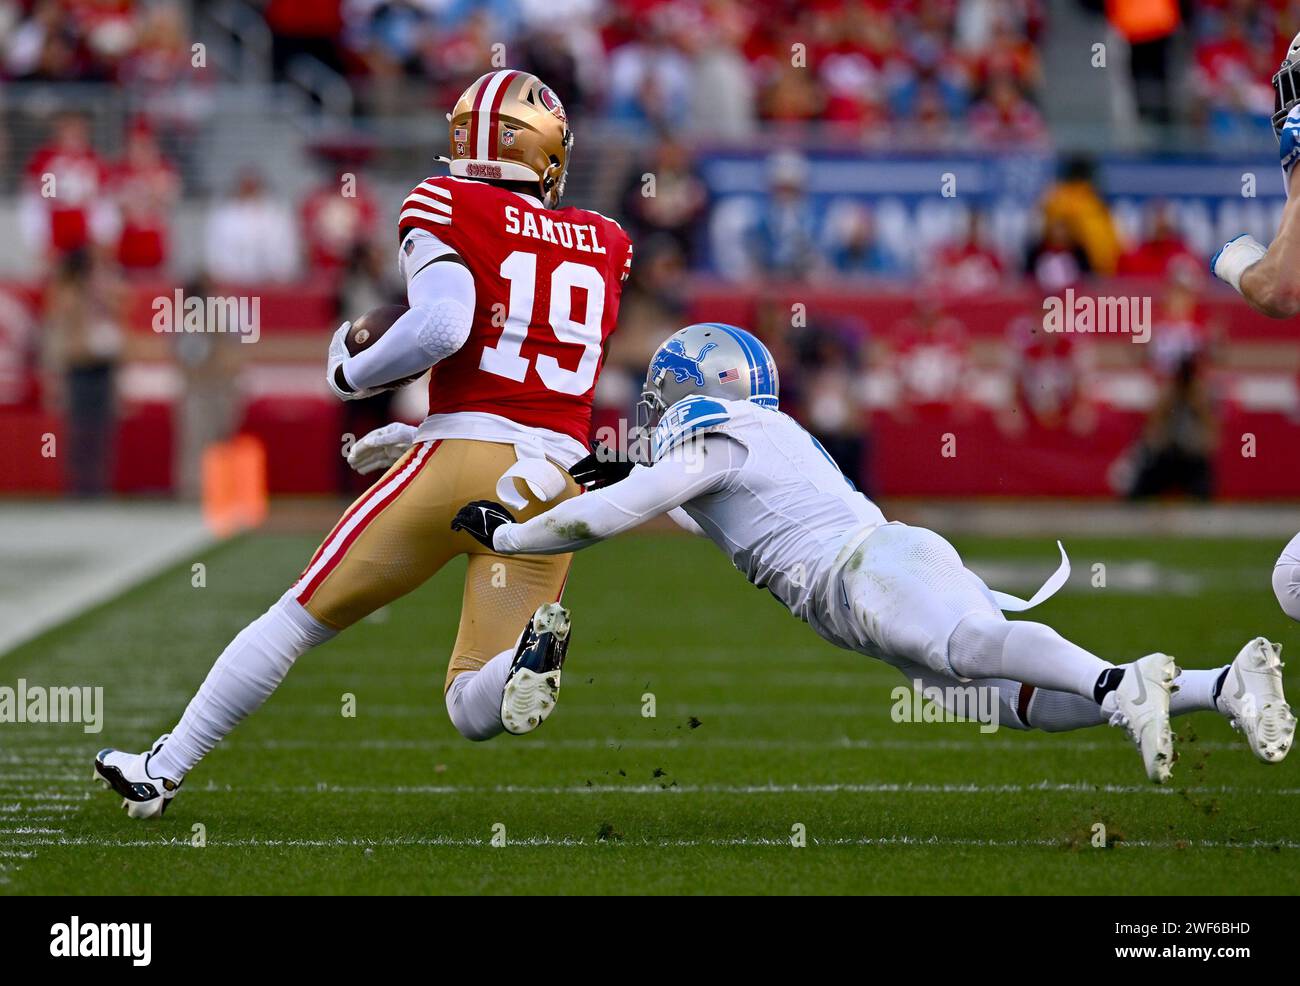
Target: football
[{"x": 369, "y": 328}]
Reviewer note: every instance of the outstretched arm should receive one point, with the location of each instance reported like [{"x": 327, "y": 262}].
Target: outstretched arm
[
  {"x": 1272, "y": 286},
  {"x": 693, "y": 469},
  {"x": 1269, "y": 277}
]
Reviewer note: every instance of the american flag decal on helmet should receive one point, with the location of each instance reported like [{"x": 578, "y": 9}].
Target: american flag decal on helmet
[{"x": 726, "y": 376}]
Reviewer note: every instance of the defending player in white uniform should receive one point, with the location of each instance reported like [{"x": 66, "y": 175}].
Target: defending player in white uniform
[
  {"x": 1269, "y": 277},
  {"x": 760, "y": 487}
]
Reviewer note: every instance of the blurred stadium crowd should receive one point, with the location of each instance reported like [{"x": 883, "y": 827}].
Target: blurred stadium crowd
[
  {"x": 785, "y": 79},
  {"x": 716, "y": 67}
]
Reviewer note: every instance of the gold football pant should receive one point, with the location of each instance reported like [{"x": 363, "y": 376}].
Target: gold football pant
[{"x": 398, "y": 534}]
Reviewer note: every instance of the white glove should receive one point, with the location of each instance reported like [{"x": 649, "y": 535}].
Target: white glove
[
  {"x": 1235, "y": 256},
  {"x": 381, "y": 448},
  {"x": 338, "y": 354}
]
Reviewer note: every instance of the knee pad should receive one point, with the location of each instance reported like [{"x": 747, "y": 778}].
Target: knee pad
[
  {"x": 466, "y": 724},
  {"x": 1286, "y": 586}
]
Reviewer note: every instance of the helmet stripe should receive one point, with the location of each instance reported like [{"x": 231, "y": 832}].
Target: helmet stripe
[
  {"x": 744, "y": 348},
  {"x": 765, "y": 386},
  {"x": 494, "y": 118},
  {"x": 474, "y": 115},
  {"x": 484, "y": 113},
  {"x": 760, "y": 373}
]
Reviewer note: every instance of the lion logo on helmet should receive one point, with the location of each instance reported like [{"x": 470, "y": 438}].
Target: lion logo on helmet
[{"x": 674, "y": 358}]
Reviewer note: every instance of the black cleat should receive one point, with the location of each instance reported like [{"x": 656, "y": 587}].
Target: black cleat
[{"x": 534, "y": 683}]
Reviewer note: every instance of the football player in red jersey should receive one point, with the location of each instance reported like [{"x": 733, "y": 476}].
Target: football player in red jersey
[{"x": 512, "y": 299}]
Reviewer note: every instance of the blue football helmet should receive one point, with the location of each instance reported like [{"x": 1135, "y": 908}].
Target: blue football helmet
[{"x": 710, "y": 359}]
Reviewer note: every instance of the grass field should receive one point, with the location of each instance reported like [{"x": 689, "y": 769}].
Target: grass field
[{"x": 760, "y": 727}]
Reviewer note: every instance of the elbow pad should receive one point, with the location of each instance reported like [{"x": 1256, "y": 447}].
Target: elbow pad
[
  {"x": 419, "y": 339},
  {"x": 443, "y": 329}
]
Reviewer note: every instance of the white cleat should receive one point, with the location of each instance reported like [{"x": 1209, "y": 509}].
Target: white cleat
[
  {"x": 534, "y": 684},
  {"x": 144, "y": 795},
  {"x": 1253, "y": 701},
  {"x": 1142, "y": 708}
]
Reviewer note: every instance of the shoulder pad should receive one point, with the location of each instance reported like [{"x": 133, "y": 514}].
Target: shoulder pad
[
  {"x": 687, "y": 417},
  {"x": 428, "y": 206},
  {"x": 608, "y": 219}
]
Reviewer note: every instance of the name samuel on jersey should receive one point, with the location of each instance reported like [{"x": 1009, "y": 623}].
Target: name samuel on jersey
[{"x": 571, "y": 236}]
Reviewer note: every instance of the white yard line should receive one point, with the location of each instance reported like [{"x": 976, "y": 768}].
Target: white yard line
[
  {"x": 60, "y": 559},
  {"x": 398, "y": 842},
  {"x": 704, "y": 742},
  {"x": 1018, "y": 741},
  {"x": 670, "y": 788}
]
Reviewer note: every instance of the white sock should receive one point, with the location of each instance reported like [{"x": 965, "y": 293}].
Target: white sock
[
  {"x": 1032, "y": 653},
  {"x": 1194, "y": 691},
  {"x": 246, "y": 673},
  {"x": 1060, "y": 712},
  {"x": 1055, "y": 712},
  {"x": 474, "y": 698}
]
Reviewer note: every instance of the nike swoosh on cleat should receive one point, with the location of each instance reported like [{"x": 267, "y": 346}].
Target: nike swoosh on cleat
[{"x": 1142, "y": 690}]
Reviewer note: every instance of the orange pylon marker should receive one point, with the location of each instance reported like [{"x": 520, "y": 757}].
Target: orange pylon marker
[{"x": 234, "y": 485}]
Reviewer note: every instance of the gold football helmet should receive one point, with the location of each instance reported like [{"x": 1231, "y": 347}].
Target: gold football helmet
[{"x": 510, "y": 126}]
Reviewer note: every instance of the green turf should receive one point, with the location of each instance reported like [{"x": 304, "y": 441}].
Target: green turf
[{"x": 702, "y": 798}]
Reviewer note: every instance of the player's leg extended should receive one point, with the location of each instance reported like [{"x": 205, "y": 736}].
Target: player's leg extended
[
  {"x": 919, "y": 603},
  {"x": 954, "y": 695},
  {"x": 1194, "y": 690},
  {"x": 1248, "y": 693},
  {"x": 512, "y": 635},
  {"x": 1022, "y": 706},
  {"x": 383, "y": 547},
  {"x": 1137, "y": 699},
  {"x": 505, "y": 667},
  {"x": 392, "y": 540}
]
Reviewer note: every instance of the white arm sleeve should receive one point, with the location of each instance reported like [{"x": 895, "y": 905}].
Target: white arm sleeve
[
  {"x": 705, "y": 465},
  {"x": 677, "y": 515},
  {"x": 440, "y": 290}
]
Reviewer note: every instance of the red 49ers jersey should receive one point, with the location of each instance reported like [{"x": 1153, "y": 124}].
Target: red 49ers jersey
[{"x": 547, "y": 285}]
